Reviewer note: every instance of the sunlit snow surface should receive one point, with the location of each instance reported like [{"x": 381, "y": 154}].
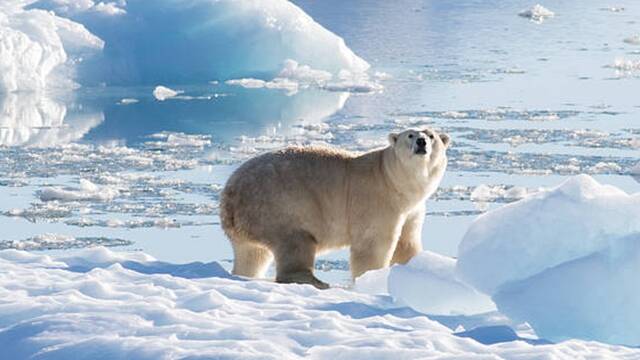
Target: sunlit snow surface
[
  {"x": 133, "y": 306},
  {"x": 527, "y": 104}
]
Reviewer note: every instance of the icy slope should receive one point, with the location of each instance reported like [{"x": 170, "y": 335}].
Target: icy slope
[
  {"x": 117, "y": 305},
  {"x": 45, "y": 43},
  {"x": 565, "y": 260}
]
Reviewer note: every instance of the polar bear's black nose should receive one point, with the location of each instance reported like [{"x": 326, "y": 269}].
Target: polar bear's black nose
[{"x": 421, "y": 142}]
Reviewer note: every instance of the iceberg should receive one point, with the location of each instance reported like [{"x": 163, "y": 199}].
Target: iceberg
[
  {"x": 58, "y": 42},
  {"x": 562, "y": 260}
]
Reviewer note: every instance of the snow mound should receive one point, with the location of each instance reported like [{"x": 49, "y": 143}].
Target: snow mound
[
  {"x": 576, "y": 241},
  {"x": 87, "y": 191},
  {"x": 428, "y": 283},
  {"x": 130, "y": 306},
  {"x": 202, "y": 40},
  {"x": 537, "y": 13}
]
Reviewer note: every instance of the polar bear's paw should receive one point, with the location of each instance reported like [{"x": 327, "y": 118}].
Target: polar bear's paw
[{"x": 302, "y": 277}]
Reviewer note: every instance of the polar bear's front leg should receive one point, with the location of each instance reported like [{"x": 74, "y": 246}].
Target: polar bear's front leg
[
  {"x": 375, "y": 248},
  {"x": 410, "y": 242}
]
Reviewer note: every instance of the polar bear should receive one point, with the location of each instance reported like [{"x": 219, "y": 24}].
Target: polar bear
[{"x": 294, "y": 203}]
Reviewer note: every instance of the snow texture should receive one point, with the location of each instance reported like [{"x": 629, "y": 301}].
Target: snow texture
[
  {"x": 562, "y": 260},
  {"x": 99, "y": 303},
  {"x": 56, "y": 42}
]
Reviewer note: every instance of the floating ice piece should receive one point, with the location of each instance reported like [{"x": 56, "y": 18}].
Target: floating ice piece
[
  {"x": 537, "y": 13},
  {"x": 428, "y": 283},
  {"x": 486, "y": 193},
  {"x": 625, "y": 65},
  {"x": 294, "y": 76},
  {"x": 633, "y": 40},
  {"x": 58, "y": 242},
  {"x": 576, "y": 241},
  {"x": 128, "y": 101},
  {"x": 162, "y": 93},
  {"x": 87, "y": 191}
]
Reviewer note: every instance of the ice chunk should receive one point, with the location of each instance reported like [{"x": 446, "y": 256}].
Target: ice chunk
[
  {"x": 87, "y": 191},
  {"x": 560, "y": 260},
  {"x": 633, "y": 40},
  {"x": 428, "y": 283},
  {"x": 537, "y": 13},
  {"x": 553, "y": 226},
  {"x": 162, "y": 93},
  {"x": 594, "y": 297}
]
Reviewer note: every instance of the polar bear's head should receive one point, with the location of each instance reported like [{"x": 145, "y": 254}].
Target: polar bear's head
[{"x": 420, "y": 146}]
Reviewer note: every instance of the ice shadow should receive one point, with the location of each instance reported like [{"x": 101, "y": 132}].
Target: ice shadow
[{"x": 489, "y": 335}]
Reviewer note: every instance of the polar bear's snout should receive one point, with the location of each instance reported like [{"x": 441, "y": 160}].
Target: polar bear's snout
[{"x": 421, "y": 146}]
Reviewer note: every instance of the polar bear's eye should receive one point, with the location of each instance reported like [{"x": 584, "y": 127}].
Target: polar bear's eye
[
  {"x": 431, "y": 136},
  {"x": 410, "y": 136}
]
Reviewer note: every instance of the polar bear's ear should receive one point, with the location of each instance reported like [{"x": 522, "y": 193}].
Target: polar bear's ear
[
  {"x": 393, "y": 138},
  {"x": 445, "y": 139}
]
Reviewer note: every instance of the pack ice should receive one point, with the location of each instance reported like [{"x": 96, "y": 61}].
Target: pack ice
[
  {"x": 565, "y": 260},
  {"x": 52, "y": 42}
]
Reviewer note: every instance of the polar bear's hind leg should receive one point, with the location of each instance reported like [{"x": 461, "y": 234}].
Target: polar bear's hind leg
[{"x": 250, "y": 259}]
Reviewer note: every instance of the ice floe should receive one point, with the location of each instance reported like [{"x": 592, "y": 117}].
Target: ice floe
[
  {"x": 86, "y": 191},
  {"x": 537, "y": 13},
  {"x": 162, "y": 93},
  {"x": 129, "y": 305},
  {"x": 561, "y": 260},
  {"x": 60, "y": 242}
]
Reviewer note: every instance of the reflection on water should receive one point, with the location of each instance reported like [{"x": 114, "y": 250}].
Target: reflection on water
[{"x": 38, "y": 120}]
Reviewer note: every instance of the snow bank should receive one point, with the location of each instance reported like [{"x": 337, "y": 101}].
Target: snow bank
[
  {"x": 164, "y": 41},
  {"x": 428, "y": 283},
  {"x": 87, "y": 191},
  {"x": 561, "y": 260},
  {"x": 128, "y": 305}
]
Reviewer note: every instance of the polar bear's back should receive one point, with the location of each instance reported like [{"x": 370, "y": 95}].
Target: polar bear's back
[{"x": 301, "y": 188}]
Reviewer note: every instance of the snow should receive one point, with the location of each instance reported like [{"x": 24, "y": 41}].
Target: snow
[
  {"x": 57, "y": 43},
  {"x": 162, "y": 93},
  {"x": 579, "y": 240},
  {"x": 86, "y": 191},
  {"x": 129, "y": 305},
  {"x": 537, "y": 13},
  {"x": 428, "y": 283}
]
